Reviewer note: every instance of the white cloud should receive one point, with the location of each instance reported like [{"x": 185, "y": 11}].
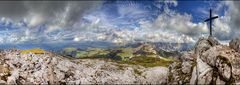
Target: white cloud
[{"x": 180, "y": 23}]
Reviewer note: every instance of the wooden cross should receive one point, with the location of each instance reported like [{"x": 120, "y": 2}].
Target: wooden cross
[{"x": 210, "y": 19}]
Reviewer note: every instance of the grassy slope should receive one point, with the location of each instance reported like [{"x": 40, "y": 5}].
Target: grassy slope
[{"x": 125, "y": 56}]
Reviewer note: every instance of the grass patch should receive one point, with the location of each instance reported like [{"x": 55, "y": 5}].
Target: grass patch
[
  {"x": 125, "y": 54},
  {"x": 35, "y": 51},
  {"x": 169, "y": 53},
  {"x": 147, "y": 61},
  {"x": 90, "y": 53},
  {"x": 69, "y": 49}
]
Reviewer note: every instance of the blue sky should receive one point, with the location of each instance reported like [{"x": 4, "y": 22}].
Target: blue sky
[{"x": 117, "y": 22}]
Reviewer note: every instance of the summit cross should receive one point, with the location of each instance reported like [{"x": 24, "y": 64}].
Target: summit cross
[{"x": 210, "y": 20}]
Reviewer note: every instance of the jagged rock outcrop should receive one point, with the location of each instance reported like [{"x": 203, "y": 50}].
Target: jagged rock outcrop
[
  {"x": 212, "y": 63},
  {"x": 215, "y": 65},
  {"x": 191, "y": 69},
  {"x": 19, "y": 68}
]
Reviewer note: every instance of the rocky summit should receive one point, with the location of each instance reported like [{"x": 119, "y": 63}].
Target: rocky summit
[{"x": 209, "y": 62}]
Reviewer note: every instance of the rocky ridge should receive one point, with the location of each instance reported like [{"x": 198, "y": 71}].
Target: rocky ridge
[{"x": 17, "y": 68}]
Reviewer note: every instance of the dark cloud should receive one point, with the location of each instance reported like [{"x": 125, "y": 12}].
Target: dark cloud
[
  {"x": 71, "y": 11},
  {"x": 13, "y": 9}
]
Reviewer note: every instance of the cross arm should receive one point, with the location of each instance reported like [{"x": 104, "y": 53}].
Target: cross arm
[
  {"x": 207, "y": 20},
  {"x": 211, "y": 18},
  {"x": 214, "y": 17}
]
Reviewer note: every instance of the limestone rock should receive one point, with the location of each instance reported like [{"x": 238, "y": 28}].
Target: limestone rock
[
  {"x": 188, "y": 56},
  {"x": 219, "y": 81},
  {"x": 13, "y": 78},
  {"x": 210, "y": 56},
  {"x": 224, "y": 68},
  {"x": 213, "y": 41},
  {"x": 204, "y": 72},
  {"x": 220, "y": 57},
  {"x": 160, "y": 77},
  {"x": 215, "y": 63},
  {"x": 194, "y": 76},
  {"x": 2, "y": 82},
  {"x": 201, "y": 46},
  {"x": 186, "y": 67}
]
